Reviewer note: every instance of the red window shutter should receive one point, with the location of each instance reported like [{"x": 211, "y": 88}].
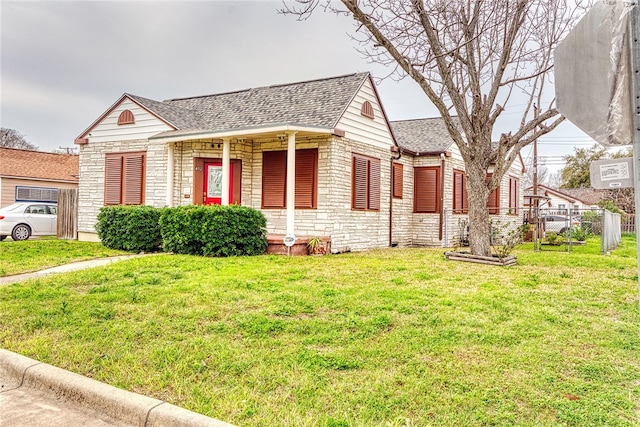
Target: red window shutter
[
  {"x": 274, "y": 179},
  {"x": 112, "y": 179},
  {"x": 465, "y": 196},
  {"x": 398, "y": 185},
  {"x": 359, "y": 178},
  {"x": 459, "y": 192},
  {"x": 493, "y": 204},
  {"x": 427, "y": 189},
  {"x": 374, "y": 184},
  {"x": 514, "y": 196},
  {"x": 306, "y": 178},
  {"x": 133, "y": 179}
]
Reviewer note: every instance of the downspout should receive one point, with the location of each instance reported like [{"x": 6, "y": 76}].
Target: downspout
[
  {"x": 393, "y": 159},
  {"x": 441, "y": 195}
]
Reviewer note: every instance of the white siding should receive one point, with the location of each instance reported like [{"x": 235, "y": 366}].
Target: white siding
[
  {"x": 146, "y": 125},
  {"x": 360, "y": 128}
]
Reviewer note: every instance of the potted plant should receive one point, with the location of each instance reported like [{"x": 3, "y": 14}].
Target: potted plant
[{"x": 317, "y": 246}]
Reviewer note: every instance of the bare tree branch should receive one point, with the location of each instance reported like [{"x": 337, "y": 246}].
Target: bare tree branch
[{"x": 471, "y": 58}]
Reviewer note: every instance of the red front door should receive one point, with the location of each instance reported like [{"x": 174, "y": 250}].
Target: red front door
[{"x": 213, "y": 183}]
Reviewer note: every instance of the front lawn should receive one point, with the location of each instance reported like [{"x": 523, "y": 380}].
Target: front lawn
[
  {"x": 37, "y": 254},
  {"x": 397, "y": 337}
]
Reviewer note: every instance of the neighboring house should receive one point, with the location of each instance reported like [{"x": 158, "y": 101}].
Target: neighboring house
[
  {"x": 566, "y": 201},
  {"x": 324, "y": 144},
  {"x": 27, "y": 175},
  {"x": 439, "y": 196}
]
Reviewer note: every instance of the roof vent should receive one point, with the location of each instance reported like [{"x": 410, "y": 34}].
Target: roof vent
[
  {"x": 367, "y": 110},
  {"x": 126, "y": 118}
]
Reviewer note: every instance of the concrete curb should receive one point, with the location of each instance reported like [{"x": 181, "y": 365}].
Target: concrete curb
[{"x": 128, "y": 407}]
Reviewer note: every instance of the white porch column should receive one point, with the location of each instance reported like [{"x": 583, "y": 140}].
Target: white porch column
[
  {"x": 291, "y": 182},
  {"x": 170, "y": 172},
  {"x": 226, "y": 168}
]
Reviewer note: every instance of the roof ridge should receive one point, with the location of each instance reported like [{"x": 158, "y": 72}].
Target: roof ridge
[
  {"x": 266, "y": 87},
  {"x": 418, "y": 119},
  {"x": 37, "y": 151}
]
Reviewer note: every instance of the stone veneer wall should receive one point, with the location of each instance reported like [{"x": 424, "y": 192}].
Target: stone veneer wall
[
  {"x": 91, "y": 185},
  {"x": 403, "y": 208},
  {"x": 349, "y": 230}
]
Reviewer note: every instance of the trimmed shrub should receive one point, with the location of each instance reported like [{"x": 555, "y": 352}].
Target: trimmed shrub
[
  {"x": 130, "y": 228},
  {"x": 214, "y": 230}
]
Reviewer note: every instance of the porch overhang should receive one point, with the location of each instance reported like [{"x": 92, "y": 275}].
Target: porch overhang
[{"x": 244, "y": 132}]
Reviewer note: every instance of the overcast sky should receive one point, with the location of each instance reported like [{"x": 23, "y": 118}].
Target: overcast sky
[{"x": 64, "y": 63}]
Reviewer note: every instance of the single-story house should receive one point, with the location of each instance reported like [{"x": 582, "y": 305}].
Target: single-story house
[
  {"x": 27, "y": 175},
  {"x": 566, "y": 201},
  {"x": 438, "y": 204},
  {"x": 318, "y": 158}
]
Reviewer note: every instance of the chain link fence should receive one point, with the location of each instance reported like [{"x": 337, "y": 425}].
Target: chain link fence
[{"x": 548, "y": 229}]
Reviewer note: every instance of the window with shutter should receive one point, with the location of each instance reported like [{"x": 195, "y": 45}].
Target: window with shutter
[
  {"x": 306, "y": 178},
  {"x": 374, "y": 185},
  {"x": 113, "y": 180},
  {"x": 398, "y": 184},
  {"x": 493, "y": 203},
  {"x": 514, "y": 195},
  {"x": 274, "y": 179},
  {"x": 133, "y": 180},
  {"x": 124, "y": 178},
  {"x": 460, "y": 199},
  {"x": 427, "y": 189},
  {"x": 365, "y": 188}
]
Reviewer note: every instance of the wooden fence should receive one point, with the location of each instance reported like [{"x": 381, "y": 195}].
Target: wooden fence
[
  {"x": 67, "y": 213},
  {"x": 628, "y": 223}
]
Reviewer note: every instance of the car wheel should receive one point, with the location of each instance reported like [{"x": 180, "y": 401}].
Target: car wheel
[
  {"x": 562, "y": 230},
  {"x": 2, "y": 238},
  {"x": 21, "y": 232}
]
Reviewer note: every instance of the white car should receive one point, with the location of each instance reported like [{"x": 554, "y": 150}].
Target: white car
[
  {"x": 559, "y": 223},
  {"x": 25, "y": 219}
]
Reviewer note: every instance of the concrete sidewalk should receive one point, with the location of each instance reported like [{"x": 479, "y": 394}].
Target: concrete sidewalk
[
  {"x": 73, "y": 266},
  {"x": 35, "y": 394}
]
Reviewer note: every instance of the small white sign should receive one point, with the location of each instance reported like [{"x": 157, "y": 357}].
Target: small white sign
[
  {"x": 614, "y": 171},
  {"x": 607, "y": 174},
  {"x": 289, "y": 240}
]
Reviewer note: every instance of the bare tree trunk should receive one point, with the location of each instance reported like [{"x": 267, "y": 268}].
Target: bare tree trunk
[{"x": 479, "y": 221}]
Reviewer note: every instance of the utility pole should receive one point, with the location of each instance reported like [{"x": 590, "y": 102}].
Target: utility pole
[
  {"x": 536, "y": 202},
  {"x": 634, "y": 21}
]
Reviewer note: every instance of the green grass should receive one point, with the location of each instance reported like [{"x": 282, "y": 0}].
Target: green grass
[
  {"x": 397, "y": 337},
  {"x": 37, "y": 254}
]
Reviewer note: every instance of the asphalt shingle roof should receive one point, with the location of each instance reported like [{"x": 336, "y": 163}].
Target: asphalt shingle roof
[
  {"x": 310, "y": 103},
  {"x": 422, "y": 135},
  {"x": 38, "y": 164},
  {"x": 178, "y": 117}
]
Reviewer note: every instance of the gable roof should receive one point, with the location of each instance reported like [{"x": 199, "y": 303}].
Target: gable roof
[
  {"x": 313, "y": 103},
  {"x": 18, "y": 163},
  {"x": 422, "y": 136},
  {"x": 587, "y": 196}
]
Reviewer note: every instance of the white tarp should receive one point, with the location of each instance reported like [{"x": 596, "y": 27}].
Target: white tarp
[{"x": 592, "y": 74}]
